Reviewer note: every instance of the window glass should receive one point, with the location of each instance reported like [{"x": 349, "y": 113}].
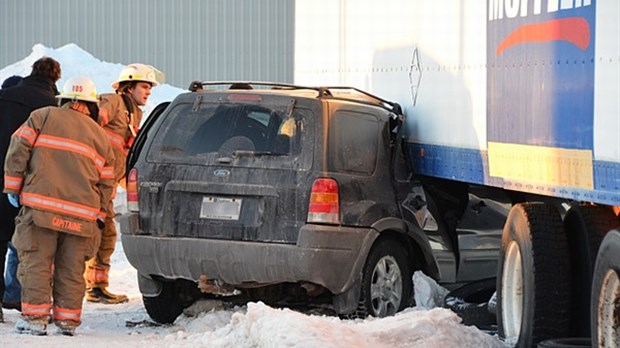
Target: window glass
[
  {"x": 241, "y": 132},
  {"x": 353, "y": 142}
]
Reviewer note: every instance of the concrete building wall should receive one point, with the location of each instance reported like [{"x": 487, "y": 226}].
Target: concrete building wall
[{"x": 186, "y": 39}]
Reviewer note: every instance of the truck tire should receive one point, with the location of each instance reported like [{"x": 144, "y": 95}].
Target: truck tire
[
  {"x": 533, "y": 296},
  {"x": 605, "y": 298},
  {"x": 585, "y": 226},
  {"x": 169, "y": 304},
  {"x": 387, "y": 284}
]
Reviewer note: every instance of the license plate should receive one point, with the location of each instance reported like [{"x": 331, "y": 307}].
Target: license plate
[{"x": 220, "y": 208}]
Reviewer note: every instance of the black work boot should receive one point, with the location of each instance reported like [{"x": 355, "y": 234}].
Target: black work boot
[{"x": 101, "y": 295}]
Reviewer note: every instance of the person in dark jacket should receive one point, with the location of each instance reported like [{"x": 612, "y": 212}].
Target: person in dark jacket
[
  {"x": 11, "y": 81},
  {"x": 16, "y": 103},
  {"x": 12, "y": 292}
]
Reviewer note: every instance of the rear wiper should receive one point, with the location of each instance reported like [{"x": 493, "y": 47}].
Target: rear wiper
[{"x": 241, "y": 153}]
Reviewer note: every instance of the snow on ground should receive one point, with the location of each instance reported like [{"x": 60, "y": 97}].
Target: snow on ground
[{"x": 253, "y": 325}]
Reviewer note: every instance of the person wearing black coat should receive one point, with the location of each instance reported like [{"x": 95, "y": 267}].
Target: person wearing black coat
[
  {"x": 12, "y": 291},
  {"x": 16, "y": 103}
]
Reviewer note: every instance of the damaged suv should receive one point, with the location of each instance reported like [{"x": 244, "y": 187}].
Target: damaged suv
[{"x": 275, "y": 190}]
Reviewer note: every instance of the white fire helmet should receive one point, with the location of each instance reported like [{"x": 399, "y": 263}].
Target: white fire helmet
[
  {"x": 139, "y": 72},
  {"x": 79, "y": 88}
]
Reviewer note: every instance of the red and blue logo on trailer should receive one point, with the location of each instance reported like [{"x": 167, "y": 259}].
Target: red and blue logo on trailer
[{"x": 540, "y": 81}]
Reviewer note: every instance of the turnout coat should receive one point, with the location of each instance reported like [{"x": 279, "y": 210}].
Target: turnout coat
[
  {"x": 62, "y": 165},
  {"x": 121, "y": 126}
]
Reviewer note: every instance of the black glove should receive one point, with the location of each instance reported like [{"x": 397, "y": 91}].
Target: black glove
[{"x": 100, "y": 224}]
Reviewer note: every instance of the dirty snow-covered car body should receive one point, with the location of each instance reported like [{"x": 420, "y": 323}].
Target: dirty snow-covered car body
[{"x": 280, "y": 190}]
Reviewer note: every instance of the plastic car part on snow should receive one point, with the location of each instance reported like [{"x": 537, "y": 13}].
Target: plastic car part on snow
[{"x": 471, "y": 303}]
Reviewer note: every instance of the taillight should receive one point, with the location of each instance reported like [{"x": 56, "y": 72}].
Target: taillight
[
  {"x": 132, "y": 190},
  {"x": 324, "y": 202}
]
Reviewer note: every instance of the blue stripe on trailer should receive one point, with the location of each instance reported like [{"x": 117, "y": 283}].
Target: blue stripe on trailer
[
  {"x": 448, "y": 162},
  {"x": 471, "y": 166}
]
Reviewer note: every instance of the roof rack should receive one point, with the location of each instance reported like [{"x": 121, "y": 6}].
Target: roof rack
[{"x": 332, "y": 92}]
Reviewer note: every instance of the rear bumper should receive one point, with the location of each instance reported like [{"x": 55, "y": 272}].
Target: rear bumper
[{"x": 330, "y": 256}]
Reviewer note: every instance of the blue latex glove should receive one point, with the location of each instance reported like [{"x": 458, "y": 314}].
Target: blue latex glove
[{"x": 14, "y": 199}]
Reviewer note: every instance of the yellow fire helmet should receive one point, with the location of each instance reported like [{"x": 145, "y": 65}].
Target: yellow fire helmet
[{"x": 139, "y": 72}]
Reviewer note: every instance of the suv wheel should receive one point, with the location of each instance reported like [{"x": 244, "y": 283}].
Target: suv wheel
[
  {"x": 386, "y": 282},
  {"x": 173, "y": 298}
]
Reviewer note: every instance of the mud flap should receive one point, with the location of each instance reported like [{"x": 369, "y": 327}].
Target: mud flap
[{"x": 346, "y": 302}]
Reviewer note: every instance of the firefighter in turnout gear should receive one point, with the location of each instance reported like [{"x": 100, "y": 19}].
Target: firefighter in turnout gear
[
  {"x": 120, "y": 116},
  {"x": 60, "y": 169}
]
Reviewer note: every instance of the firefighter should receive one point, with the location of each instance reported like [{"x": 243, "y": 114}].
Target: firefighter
[
  {"x": 120, "y": 116},
  {"x": 59, "y": 169}
]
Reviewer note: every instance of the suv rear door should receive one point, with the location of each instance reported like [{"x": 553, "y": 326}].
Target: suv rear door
[
  {"x": 359, "y": 156},
  {"x": 224, "y": 165}
]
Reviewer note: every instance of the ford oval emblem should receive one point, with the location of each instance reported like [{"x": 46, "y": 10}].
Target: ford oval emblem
[{"x": 221, "y": 172}]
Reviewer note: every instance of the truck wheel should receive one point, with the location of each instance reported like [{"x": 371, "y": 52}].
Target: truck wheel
[
  {"x": 586, "y": 226},
  {"x": 169, "y": 304},
  {"x": 533, "y": 295},
  {"x": 387, "y": 283},
  {"x": 605, "y": 299}
]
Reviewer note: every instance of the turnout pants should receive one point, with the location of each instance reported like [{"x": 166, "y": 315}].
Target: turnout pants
[
  {"x": 98, "y": 268},
  {"x": 50, "y": 262}
]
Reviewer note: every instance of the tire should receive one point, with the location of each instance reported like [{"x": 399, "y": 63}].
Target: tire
[
  {"x": 585, "y": 226},
  {"x": 387, "y": 284},
  {"x": 173, "y": 298},
  {"x": 605, "y": 298},
  {"x": 533, "y": 296}
]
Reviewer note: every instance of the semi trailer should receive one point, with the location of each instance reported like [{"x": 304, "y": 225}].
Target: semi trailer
[{"x": 519, "y": 96}]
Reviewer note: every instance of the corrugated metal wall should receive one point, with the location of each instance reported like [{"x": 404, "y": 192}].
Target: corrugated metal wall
[{"x": 187, "y": 39}]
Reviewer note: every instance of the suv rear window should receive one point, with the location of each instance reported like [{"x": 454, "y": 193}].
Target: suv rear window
[
  {"x": 354, "y": 141},
  {"x": 238, "y": 132}
]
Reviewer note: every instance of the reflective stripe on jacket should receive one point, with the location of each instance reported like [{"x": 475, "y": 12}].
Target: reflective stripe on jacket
[{"x": 62, "y": 164}]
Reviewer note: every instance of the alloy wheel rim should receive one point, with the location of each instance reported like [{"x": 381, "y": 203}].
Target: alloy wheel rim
[{"x": 386, "y": 290}]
